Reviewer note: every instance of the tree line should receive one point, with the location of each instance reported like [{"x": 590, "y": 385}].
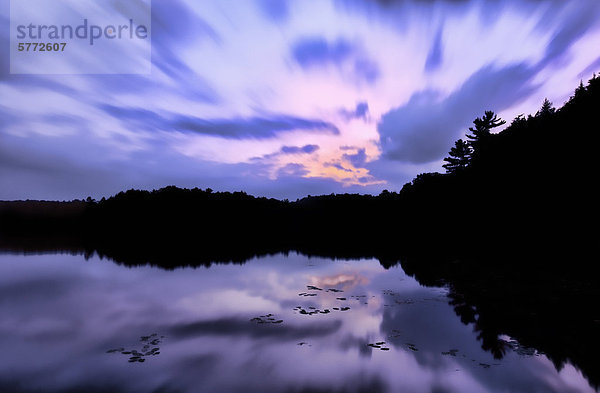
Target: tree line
[{"x": 533, "y": 177}]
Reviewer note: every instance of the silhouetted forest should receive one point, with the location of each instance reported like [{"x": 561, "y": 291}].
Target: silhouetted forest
[
  {"x": 528, "y": 185},
  {"x": 510, "y": 228}
]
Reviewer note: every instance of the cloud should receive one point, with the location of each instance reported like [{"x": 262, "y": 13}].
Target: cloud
[
  {"x": 361, "y": 111},
  {"x": 139, "y": 117},
  {"x": 358, "y": 159},
  {"x": 366, "y": 179},
  {"x": 434, "y": 58},
  {"x": 423, "y": 129},
  {"x": 174, "y": 27},
  {"x": 275, "y": 10},
  {"x": 311, "y": 52},
  {"x": 337, "y": 165},
  {"x": 255, "y": 127},
  {"x": 306, "y": 149},
  {"x": 594, "y": 67},
  {"x": 573, "y": 26},
  {"x": 232, "y": 128},
  {"x": 366, "y": 69},
  {"x": 287, "y": 150},
  {"x": 292, "y": 170},
  {"x": 35, "y": 170}
]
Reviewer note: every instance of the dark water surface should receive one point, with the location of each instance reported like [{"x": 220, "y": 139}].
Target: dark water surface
[{"x": 275, "y": 324}]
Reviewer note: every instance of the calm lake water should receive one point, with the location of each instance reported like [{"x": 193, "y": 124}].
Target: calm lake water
[{"x": 274, "y": 324}]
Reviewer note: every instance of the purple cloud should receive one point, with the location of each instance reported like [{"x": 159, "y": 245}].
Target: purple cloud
[
  {"x": 232, "y": 128},
  {"x": 358, "y": 159},
  {"x": 434, "y": 58},
  {"x": 306, "y": 149},
  {"x": 360, "y": 112},
  {"x": 423, "y": 129},
  {"x": 314, "y": 51},
  {"x": 318, "y": 52}
]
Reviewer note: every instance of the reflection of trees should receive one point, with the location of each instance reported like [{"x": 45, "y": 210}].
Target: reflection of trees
[{"x": 544, "y": 306}]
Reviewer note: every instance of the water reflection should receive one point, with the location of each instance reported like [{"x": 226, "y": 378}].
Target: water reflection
[{"x": 278, "y": 324}]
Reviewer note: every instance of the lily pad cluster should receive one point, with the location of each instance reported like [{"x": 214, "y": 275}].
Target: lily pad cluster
[
  {"x": 451, "y": 352},
  {"x": 149, "y": 348},
  {"x": 379, "y": 345},
  {"x": 314, "y": 288},
  {"x": 314, "y": 310},
  {"x": 360, "y": 298},
  {"x": 268, "y": 318}
]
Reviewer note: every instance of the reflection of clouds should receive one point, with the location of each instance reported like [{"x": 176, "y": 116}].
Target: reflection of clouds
[
  {"x": 238, "y": 327},
  {"x": 211, "y": 342},
  {"x": 226, "y": 301},
  {"x": 362, "y": 319},
  {"x": 346, "y": 280}
]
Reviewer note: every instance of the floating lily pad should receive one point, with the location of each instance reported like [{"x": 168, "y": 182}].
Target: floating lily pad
[
  {"x": 268, "y": 318},
  {"x": 137, "y": 356},
  {"x": 379, "y": 345},
  {"x": 451, "y": 352}
]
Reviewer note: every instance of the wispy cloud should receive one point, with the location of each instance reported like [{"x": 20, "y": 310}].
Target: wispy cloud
[
  {"x": 311, "y": 52},
  {"x": 421, "y": 130}
]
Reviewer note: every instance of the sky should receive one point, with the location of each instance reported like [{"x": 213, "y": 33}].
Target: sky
[{"x": 287, "y": 98}]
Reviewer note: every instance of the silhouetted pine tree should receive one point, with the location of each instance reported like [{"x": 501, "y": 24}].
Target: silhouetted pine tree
[
  {"x": 482, "y": 130},
  {"x": 580, "y": 90},
  {"x": 460, "y": 156},
  {"x": 483, "y": 125},
  {"x": 546, "y": 109}
]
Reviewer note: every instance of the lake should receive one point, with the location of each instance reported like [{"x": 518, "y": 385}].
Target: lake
[{"x": 281, "y": 323}]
